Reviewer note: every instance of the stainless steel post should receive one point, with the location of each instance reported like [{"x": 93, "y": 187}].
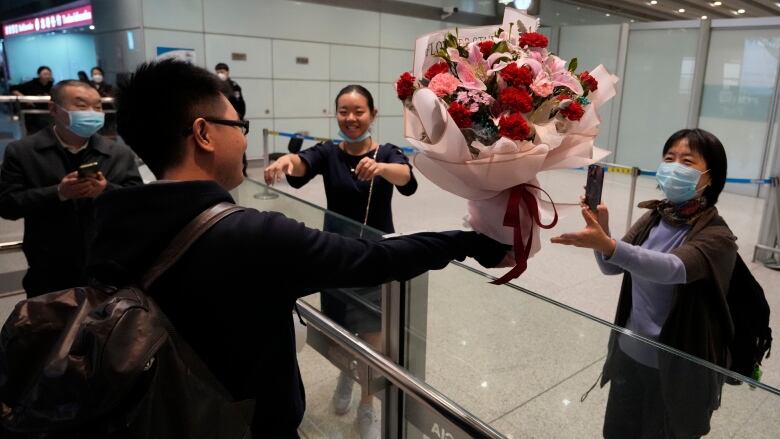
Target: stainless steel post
[
  {"x": 266, "y": 194},
  {"x": 632, "y": 197}
]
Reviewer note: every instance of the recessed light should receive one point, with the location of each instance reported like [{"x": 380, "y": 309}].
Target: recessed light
[
  {"x": 607, "y": 14},
  {"x": 653, "y": 2},
  {"x": 633, "y": 21},
  {"x": 740, "y": 11},
  {"x": 735, "y": 12},
  {"x": 681, "y": 10},
  {"x": 777, "y": 4},
  {"x": 716, "y": 3},
  {"x": 704, "y": 17}
]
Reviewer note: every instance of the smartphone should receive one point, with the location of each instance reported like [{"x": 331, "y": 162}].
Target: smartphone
[
  {"x": 594, "y": 185},
  {"x": 88, "y": 170}
]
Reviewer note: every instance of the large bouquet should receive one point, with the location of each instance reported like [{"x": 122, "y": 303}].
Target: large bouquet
[{"x": 488, "y": 109}]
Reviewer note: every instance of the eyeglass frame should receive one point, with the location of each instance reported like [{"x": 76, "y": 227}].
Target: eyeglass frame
[{"x": 243, "y": 124}]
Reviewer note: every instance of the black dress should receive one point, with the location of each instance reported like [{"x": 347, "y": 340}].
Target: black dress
[{"x": 356, "y": 309}]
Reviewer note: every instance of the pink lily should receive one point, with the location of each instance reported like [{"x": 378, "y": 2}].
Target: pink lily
[
  {"x": 560, "y": 76},
  {"x": 472, "y": 71}
]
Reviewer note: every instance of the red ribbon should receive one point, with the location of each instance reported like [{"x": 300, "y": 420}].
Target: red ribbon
[{"x": 521, "y": 193}]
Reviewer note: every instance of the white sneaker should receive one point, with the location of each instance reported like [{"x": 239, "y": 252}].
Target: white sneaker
[
  {"x": 342, "y": 397},
  {"x": 368, "y": 423}
]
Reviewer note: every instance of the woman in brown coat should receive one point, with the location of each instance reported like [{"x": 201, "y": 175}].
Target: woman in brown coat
[{"x": 676, "y": 262}]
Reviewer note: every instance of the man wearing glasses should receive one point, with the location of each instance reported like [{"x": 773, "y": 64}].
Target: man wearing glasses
[
  {"x": 50, "y": 178},
  {"x": 232, "y": 294}
]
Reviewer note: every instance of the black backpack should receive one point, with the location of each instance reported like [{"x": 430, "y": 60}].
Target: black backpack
[
  {"x": 750, "y": 314},
  {"x": 106, "y": 363}
]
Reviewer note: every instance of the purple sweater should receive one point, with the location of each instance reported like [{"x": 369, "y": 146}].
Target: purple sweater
[{"x": 654, "y": 273}]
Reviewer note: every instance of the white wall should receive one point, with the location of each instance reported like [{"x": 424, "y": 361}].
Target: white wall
[{"x": 342, "y": 46}]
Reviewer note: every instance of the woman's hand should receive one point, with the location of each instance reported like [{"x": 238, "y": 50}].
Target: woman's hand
[
  {"x": 602, "y": 214},
  {"x": 368, "y": 168},
  {"x": 592, "y": 236},
  {"x": 283, "y": 166}
]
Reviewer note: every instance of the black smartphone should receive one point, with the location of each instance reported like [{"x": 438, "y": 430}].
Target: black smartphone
[
  {"x": 88, "y": 170},
  {"x": 594, "y": 185}
]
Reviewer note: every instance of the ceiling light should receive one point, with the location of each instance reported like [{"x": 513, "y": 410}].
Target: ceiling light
[
  {"x": 777, "y": 4},
  {"x": 681, "y": 10},
  {"x": 607, "y": 14},
  {"x": 716, "y": 3},
  {"x": 653, "y": 2},
  {"x": 704, "y": 17},
  {"x": 740, "y": 11}
]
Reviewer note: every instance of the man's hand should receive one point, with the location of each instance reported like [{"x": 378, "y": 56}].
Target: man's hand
[
  {"x": 72, "y": 187},
  {"x": 97, "y": 185}
]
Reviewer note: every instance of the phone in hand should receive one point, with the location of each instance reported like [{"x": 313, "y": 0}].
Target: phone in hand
[
  {"x": 88, "y": 170},
  {"x": 594, "y": 186}
]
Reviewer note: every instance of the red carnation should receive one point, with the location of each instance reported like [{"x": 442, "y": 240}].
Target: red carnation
[
  {"x": 516, "y": 100},
  {"x": 573, "y": 111},
  {"x": 533, "y": 39},
  {"x": 405, "y": 86},
  {"x": 439, "y": 67},
  {"x": 517, "y": 76},
  {"x": 460, "y": 114},
  {"x": 486, "y": 47},
  {"x": 588, "y": 81},
  {"x": 513, "y": 126}
]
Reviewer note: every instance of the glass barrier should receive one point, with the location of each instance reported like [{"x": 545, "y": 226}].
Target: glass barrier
[{"x": 531, "y": 367}]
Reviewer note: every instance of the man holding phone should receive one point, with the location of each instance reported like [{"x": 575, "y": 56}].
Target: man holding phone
[{"x": 50, "y": 179}]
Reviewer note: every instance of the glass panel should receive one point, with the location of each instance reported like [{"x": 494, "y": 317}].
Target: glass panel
[
  {"x": 739, "y": 88},
  {"x": 593, "y": 45},
  {"x": 523, "y": 363},
  {"x": 656, "y": 93},
  {"x": 328, "y": 387}
]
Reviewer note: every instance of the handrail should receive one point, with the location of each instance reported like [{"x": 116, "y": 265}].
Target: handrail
[
  {"x": 10, "y": 246},
  {"x": 38, "y": 99},
  {"x": 394, "y": 373}
]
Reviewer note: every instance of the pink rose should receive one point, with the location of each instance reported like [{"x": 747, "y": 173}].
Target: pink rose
[
  {"x": 542, "y": 86},
  {"x": 444, "y": 84}
]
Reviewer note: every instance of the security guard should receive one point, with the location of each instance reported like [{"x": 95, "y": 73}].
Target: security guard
[{"x": 231, "y": 90}]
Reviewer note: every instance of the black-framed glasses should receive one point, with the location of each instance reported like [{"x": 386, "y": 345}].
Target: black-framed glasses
[{"x": 243, "y": 124}]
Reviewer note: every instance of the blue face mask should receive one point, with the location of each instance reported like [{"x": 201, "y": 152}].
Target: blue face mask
[
  {"x": 678, "y": 182},
  {"x": 85, "y": 123},
  {"x": 358, "y": 139}
]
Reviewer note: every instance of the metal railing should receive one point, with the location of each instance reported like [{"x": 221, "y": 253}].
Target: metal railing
[
  {"x": 407, "y": 383},
  {"x": 10, "y": 246}
]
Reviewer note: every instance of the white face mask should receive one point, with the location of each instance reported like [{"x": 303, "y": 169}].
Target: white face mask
[
  {"x": 222, "y": 76},
  {"x": 97, "y": 78}
]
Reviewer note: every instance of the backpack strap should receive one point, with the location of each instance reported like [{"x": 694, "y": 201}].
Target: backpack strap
[{"x": 185, "y": 238}]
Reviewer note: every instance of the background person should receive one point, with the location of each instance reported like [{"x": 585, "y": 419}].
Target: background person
[
  {"x": 40, "y": 183},
  {"x": 39, "y": 86},
  {"x": 349, "y": 169},
  {"x": 677, "y": 262}
]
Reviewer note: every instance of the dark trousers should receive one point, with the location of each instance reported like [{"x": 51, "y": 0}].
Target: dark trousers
[{"x": 635, "y": 408}]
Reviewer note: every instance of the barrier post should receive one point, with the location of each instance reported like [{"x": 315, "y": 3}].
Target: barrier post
[
  {"x": 266, "y": 194},
  {"x": 632, "y": 197}
]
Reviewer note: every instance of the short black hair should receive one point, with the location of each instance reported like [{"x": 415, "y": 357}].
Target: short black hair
[
  {"x": 42, "y": 68},
  {"x": 158, "y": 103},
  {"x": 222, "y": 66},
  {"x": 711, "y": 149},
  {"x": 357, "y": 89},
  {"x": 58, "y": 91},
  {"x": 98, "y": 69}
]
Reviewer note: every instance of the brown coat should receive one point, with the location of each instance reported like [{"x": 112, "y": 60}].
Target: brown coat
[{"x": 699, "y": 322}]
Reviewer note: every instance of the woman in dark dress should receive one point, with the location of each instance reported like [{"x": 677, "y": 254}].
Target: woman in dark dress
[{"x": 359, "y": 176}]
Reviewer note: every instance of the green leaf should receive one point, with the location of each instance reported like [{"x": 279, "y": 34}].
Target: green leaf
[
  {"x": 501, "y": 47},
  {"x": 573, "y": 65}
]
